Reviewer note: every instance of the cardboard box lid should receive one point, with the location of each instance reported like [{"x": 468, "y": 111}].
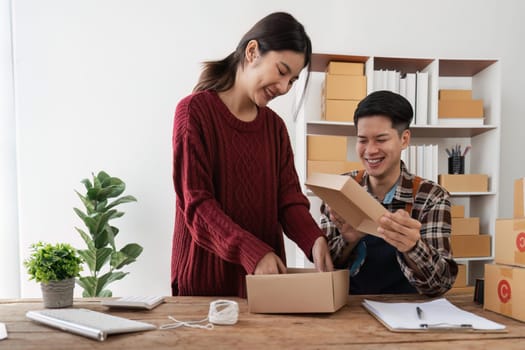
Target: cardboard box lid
[
  {"x": 298, "y": 291},
  {"x": 350, "y": 200}
]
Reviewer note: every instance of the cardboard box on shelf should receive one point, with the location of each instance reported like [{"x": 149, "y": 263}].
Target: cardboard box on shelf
[
  {"x": 505, "y": 290},
  {"x": 348, "y": 199},
  {"x": 519, "y": 198},
  {"x": 455, "y": 94},
  {"x": 461, "y": 279},
  {"x": 464, "y": 182},
  {"x": 339, "y": 110},
  {"x": 457, "y": 211},
  {"x": 470, "y": 246},
  {"x": 465, "y": 226},
  {"x": 510, "y": 242},
  {"x": 298, "y": 291},
  {"x": 327, "y": 147},
  {"x": 344, "y": 87},
  {"x": 332, "y": 166},
  {"x": 460, "y": 109},
  {"x": 345, "y": 68}
]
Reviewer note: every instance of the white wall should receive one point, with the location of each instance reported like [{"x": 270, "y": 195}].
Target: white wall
[{"x": 97, "y": 82}]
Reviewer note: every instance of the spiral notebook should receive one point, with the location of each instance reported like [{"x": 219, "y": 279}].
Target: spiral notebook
[{"x": 435, "y": 315}]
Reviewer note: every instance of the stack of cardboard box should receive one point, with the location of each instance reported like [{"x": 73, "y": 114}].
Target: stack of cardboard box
[
  {"x": 505, "y": 279},
  {"x": 344, "y": 87},
  {"x": 327, "y": 154},
  {"x": 458, "y": 104},
  {"x": 465, "y": 239}
]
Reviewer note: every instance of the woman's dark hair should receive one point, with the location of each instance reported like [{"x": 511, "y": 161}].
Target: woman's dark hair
[
  {"x": 388, "y": 104},
  {"x": 276, "y": 32}
]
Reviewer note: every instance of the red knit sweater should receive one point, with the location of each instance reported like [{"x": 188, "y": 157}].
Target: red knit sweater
[{"x": 236, "y": 192}]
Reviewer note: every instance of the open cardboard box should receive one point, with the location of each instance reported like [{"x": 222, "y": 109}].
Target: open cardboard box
[
  {"x": 298, "y": 291},
  {"x": 346, "y": 197}
]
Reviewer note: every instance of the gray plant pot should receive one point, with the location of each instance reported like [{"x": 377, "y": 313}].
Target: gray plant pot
[{"x": 57, "y": 294}]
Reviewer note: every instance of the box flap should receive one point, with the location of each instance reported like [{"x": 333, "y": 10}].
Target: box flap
[{"x": 348, "y": 199}]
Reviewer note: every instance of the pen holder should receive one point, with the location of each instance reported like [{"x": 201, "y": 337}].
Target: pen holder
[{"x": 456, "y": 165}]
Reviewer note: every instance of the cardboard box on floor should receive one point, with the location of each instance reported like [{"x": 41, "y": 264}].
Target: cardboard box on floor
[
  {"x": 510, "y": 242},
  {"x": 504, "y": 290},
  {"x": 519, "y": 198},
  {"x": 345, "y": 196},
  {"x": 298, "y": 291}
]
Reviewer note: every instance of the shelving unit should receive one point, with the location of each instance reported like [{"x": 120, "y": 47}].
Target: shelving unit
[{"x": 482, "y": 76}]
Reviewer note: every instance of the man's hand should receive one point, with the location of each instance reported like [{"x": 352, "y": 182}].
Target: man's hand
[
  {"x": 400, "y": 230},
  {"x": 350, "y": 235},
  {"x": 269, "y": 264},
  {"x": 321, "y": 255}
]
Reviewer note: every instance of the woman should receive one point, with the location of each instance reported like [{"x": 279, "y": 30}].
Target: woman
[{"x": 236, "y": 186}]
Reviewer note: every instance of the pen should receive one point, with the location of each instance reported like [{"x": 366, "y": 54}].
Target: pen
[{"x": 419, "y": 312}]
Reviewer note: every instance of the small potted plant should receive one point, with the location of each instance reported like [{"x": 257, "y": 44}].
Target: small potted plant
[{"x": 55, "y": 267}]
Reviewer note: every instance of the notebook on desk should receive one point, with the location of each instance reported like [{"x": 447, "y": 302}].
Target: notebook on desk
[
  {"x": 435, "y": 315},
  {"x": 89, "y": 323}
]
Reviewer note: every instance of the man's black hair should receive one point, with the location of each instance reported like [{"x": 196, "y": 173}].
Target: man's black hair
[{"x": 388, "y": 104}]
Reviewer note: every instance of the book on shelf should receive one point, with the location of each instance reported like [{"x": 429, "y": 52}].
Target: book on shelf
[{"x": 421, "y": 98}]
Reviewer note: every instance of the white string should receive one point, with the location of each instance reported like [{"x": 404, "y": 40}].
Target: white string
[{"x": 223, "y": 312}]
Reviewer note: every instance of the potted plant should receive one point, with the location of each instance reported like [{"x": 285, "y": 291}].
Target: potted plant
[
  {"x": 100, "y": 238},
  {"x": 55, "y": 267}
]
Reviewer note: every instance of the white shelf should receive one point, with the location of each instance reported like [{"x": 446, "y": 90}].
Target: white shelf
[
  {"x": 323, "y": 127},
  {"x": 471, "y": 194}
]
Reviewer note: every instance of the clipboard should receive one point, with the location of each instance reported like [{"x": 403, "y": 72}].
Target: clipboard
[{"x": 439, "y": 316}]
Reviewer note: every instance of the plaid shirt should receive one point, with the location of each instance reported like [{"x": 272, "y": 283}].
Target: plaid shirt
[{"x": 432, "y": 253}]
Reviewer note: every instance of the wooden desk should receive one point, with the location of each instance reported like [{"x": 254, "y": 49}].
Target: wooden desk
[{"x": 349, "y": 328}]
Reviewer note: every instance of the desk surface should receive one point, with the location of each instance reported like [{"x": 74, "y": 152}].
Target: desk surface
[{"x": 352, "y": 327}]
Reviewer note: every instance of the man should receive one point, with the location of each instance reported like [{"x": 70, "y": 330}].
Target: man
[{"x": 415, "y": 254}]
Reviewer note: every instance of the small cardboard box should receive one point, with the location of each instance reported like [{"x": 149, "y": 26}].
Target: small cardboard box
[
  {"x": 461, "y": 279},
  {"x": 504, "y": 290},
  {"x": 519, "y": 198},
  {"x": 510, "y": 242},
  {"x": 460, "y": 109},
  {"x": 457, "y": 211},
  {"x": 344, "y": 195},
  {"x": 298, "y": 291},
  {"x": 332, "y": 166},
  {"x": 326, "y": 147},
  {"x": 345, "y": 87},
  {"x": 339, "y": 110},
  {"x": 446, "y": 94},
  {"x": 465, "y": 226},
  {"x": 464, "y": 182},
  {"x": 346, "y": 68},
  {"x": 470, "y": 246}
]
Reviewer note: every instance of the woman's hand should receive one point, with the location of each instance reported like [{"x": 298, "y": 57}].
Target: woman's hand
[{"x": 269, "y": 264}]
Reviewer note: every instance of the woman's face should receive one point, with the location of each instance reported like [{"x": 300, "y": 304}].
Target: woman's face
[{"x": 271, "y": 75}]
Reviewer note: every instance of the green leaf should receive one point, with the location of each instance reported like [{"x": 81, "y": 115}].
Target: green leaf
[
  {"x": 87, "y": 239},
  {"x": 87, "y": 183},
  {"x": 125, "y": 256},
  {"x": 102, "y": 256},
  {"x": 107, "y": 278},
  {"x": 89, "y": 284},
  {"x": 106, "y": 293},
  {"x": 87, "y": 203},
  {"x": 121, "y": 200}
]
